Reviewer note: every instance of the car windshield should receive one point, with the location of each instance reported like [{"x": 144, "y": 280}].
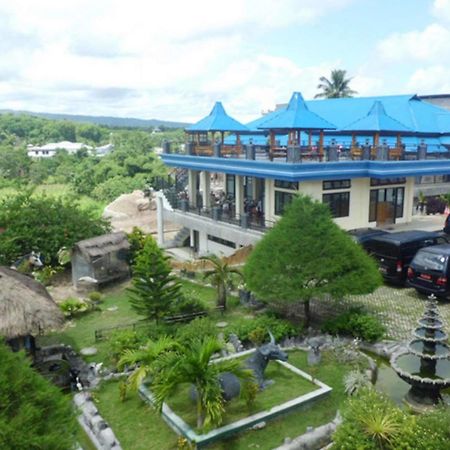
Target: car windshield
[{"x": 431, "y": 261}]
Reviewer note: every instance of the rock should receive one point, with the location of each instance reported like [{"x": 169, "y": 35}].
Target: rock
[
  {"x": 80, "y": 399},
  {"x": 86, "y": 284},
  {"x": 221, "y": 324},
  {"x": 88, "y": 351},
  {"x": 112, "y": 308},
  {"x": 259, "y": 426},
  {"x": 107, "y": 438},
  {"x": 89, "y": 409},
  {"x": 287, "y": 440},
  {"x": 97, "y": 424}
]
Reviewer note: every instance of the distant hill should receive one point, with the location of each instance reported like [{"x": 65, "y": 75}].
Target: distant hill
[{"x": 104, "y": 120}]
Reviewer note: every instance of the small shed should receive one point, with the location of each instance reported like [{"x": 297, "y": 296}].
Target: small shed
[{"x": 103, "y": 258}]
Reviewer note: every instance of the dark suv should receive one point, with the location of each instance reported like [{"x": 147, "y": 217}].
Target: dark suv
[
  {"x": 429, "y": 271},
  {"x": 395, "y": 251}
]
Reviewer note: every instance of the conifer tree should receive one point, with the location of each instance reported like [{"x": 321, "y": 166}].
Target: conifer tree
[
  {"x": 305, "y": 256},
  {"x": 154, "y": 288}
]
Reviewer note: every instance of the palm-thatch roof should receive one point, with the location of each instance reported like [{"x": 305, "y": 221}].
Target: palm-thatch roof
[
  {"x": 26, "y": 308},
  {"x": 99, "y": 246}
]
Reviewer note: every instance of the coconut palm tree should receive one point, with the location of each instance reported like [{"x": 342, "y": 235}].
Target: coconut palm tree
[
  {"x": 144, "y": 358},
  {"x": 220, "y": 276},
  {"x": 193, "y": 365},
  {"x": 335, "y": 87}
]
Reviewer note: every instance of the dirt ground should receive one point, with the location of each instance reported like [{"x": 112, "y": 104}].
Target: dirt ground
[{"x": 135, "y": 210}]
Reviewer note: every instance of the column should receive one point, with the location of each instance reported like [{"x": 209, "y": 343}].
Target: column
[
  {"x": 192, "y": 187},
  {"x": 205, "y": 187},
  {"x": 160, "y": 219},
  {"x": 268, "y": 192},
  {"x": 239, "y": 195}
]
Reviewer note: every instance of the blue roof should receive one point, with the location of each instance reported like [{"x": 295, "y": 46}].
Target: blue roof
[
  {"x": 217, "y": 120},
  {"x": 377, "y": 120},
  {"x": 296, "y": 116},
  {"x": 414, "y": 113}
]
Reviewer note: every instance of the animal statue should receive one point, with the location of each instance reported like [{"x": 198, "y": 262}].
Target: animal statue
[
  {"x": 257, "y": 363},
  {"x": 27, "y": 263}
]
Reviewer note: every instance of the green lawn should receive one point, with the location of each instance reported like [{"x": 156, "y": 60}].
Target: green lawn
[
  {"x": 288, "y": 385},
  {"x": 137, "y": 427}
]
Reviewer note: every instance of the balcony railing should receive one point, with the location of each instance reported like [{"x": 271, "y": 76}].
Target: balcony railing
[{"x": 299, "y": 154}]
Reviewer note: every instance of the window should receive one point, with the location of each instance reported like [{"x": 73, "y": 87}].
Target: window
[
  {"x": 221, "y": 241},
  {"x": 393, "y": 196},
  {"x": 386, "y": 181},
  {"x": 230, "y": 185},
  {"x": 282, "y": 199},
  {"x": 338, "y": 202},
  {"x": 292, "y": 185},
  {"x": 336, "y": 184}
]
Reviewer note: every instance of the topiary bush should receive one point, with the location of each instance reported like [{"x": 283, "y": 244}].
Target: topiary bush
[
  {"x": 356, "y": 323},
  {"x": 245, "y": 328},
  {"x": 197, "y": 329}
]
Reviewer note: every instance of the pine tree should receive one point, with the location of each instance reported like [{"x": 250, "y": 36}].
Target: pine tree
[
  {"x": 154, "y": 288},
  {"x": 306, "y": 256}
]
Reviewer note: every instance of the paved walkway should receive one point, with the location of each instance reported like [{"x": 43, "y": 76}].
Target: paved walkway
[{"x": 397, "y": 308}]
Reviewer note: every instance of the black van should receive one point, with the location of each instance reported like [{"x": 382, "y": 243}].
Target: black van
[
  {"x": 395, "y": 251},
  {"x": 429, "y": 270}
]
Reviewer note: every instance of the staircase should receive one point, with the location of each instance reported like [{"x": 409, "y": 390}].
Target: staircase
[{"x": 180, "y": 239}]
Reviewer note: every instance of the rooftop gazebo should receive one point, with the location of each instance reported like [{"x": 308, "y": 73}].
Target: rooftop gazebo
[
  {"x": 292, "y": 121},
  {"x": 26, "y": 310},
  {"x": 377, "y": 123},
  {"x": 202, "y": 135}
]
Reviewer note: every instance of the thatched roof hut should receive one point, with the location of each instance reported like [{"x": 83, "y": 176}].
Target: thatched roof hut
[{"x": 26, "y": 308}]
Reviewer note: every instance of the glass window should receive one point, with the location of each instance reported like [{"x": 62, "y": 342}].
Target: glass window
[
  {"x": 399, "y": 202},
  {"x": 221, "y": 241},
  {"x": 338, "y": 202},
  {"x": 282, "y": 199},
  {"x": 373, "y": 206},
  {"x": 292, "y": 185},
  {"x": 336, "y": 184},
  {"x": 428, "y": 260},
  {"x": 231, "y": 187},
  {"x": 386, "y": 181}
]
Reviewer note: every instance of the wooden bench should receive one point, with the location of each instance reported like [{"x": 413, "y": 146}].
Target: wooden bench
[{"x": 182, "y": 318}]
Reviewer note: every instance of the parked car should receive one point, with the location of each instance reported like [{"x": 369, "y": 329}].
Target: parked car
[
  {"x": 429, "y": 271},
  {"x": 395, "y": 251},
  {"x": 361, "y": 235},
  {"x": 447, "y": 225}
]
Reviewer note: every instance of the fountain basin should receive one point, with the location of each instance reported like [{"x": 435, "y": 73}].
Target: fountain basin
[
  {"x": 410, "y": 369},
  {"x": 429, "y": 349},
  {"x": 432, "y": 324},
  {"x": 425, "y": 334}
]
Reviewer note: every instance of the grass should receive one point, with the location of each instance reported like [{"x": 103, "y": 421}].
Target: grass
[
  {"x": 288, "y": 385},
  {"x": 134, "y": 423}
]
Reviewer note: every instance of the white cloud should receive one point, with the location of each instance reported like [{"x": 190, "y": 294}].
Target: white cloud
[
  {"x": 441, "y": 10},
  {"x": 429, "y": 45},
  {"x": 151, "y": 59},
  {"x": 430, "y": 80}
]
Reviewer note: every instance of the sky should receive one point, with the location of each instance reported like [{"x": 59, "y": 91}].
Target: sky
[{"x": 172, "y": 59}]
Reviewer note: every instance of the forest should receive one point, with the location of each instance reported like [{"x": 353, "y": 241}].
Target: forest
[{"x": 130, "y": 166}]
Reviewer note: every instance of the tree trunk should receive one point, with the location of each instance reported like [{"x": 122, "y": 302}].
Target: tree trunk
[
  {"x": 199, "y": 411},
  {"x": 307, "y": 313},
  {"x": 222, "y": 296}
]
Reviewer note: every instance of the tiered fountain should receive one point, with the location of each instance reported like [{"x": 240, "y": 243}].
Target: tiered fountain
[{"x": 425, "y": 365}]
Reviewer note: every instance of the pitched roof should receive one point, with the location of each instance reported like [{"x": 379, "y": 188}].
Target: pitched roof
[
  {"x": 102, "y": 245},
  {"x": 409, "y": 110},
  {"x": 377, "y": 120},
  {"x": 217, "y": 120},
  {"x": 296, "y": 116}
]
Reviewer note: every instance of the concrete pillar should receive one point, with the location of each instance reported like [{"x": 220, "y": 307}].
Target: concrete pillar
[
  {"x": 160, "y": 219},
  {"x": 239, "y": 195},
  {"x": 205, "y": 187},
  {"x": 268, "y": 191},
  {"x": 192, "y": 187}
]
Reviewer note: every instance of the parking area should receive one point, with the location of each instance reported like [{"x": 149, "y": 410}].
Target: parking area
[{"x": 397, "y": 308}]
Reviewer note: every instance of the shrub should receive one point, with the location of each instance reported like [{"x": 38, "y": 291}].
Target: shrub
[
  {"x": 354, "y": 381},
  {"x": 95, "y": 297},
  {"x": 187, "y": 303},
  {"x": 72, "y": 306},
  {"x": 278, "y": 327},
  {"x": 197, "y": 329},
  {"x": 46, "y": 274},
  {"x": 137, "y": 240},
  {"x": 356, "y": 323},
  {"x": 122, "y": 340}
]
